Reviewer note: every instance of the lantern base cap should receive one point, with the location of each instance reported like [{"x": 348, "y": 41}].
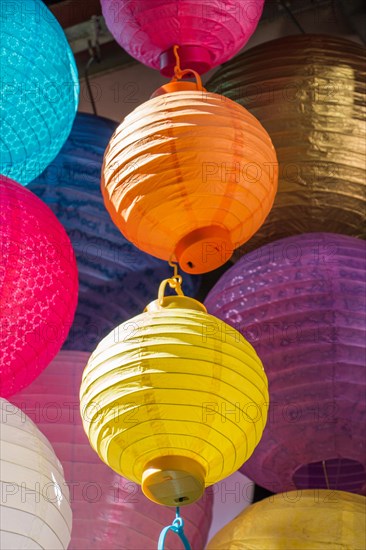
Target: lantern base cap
[
  {"x": 173, "y": 480},
  {"x": 204, "y": 249},
  {"x": 196, "y": 58}
]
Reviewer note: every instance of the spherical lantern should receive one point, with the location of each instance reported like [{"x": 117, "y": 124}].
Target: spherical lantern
[
  {"x": 300, "y": 520},
  {"x": 301, "y": 302},
  {"x": 115, "y": 278},
  {"x": 174, "y": 399},
  {"x": 189, "y": 175},
  {"x": 109, "y": 512},
  {"x": 40, "y": 89},
  {"x": 309, "y": 93},
  {"x": 35, "y": 509},
  {"x": 38, "y": 286},
  {"x": 207, "y": 33}
]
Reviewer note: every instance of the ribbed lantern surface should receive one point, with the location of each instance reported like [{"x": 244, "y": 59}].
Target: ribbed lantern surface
[
  {"x": 301, "y": 303},
  {"x": 174, "y": 399},
  {"x": 35, "y": 510},
  {"x": 190, "y": 175},
  {"x": 208, "y": 32},
  {"x": 38, "y": 286},
  {"x": 309, "y": 93},
  {"x": 39, "y": 89},
  {"x": 115, "y": 278},
  {"x": 109, "y": 511},
  {"x": 299, "y": 520}
]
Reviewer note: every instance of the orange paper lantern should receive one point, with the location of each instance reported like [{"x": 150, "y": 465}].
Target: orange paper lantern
[{"x": 189, "y": 175}]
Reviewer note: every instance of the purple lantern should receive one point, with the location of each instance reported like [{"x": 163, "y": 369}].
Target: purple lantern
[{"x": 301, "y": 302}]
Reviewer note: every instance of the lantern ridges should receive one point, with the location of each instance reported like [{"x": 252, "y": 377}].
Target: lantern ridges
[
  {"x": 315, "y": 519},
  {"x": 214, "y": 210},
  {"x": 301, "y": 301},
  {"x": 29, "y": 464},
  {"x": 150, "y": 33},
  {"x": 168, "y": 369},
  {"x": 308, "y": 93}
]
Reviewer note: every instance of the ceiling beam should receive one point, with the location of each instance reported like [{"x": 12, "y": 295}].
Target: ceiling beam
[{"x": 72, "y": 12}]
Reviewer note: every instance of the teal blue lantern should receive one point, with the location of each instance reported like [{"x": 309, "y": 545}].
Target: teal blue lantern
[{"x": 39, "y": 89}]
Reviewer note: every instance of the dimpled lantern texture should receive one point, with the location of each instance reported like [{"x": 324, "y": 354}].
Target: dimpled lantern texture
[
  {"x": 115, "y": 278},
  {"x": 40, "y": 89},
  {"x": 208, "y": 33},
  {"x": 299, "y": 520},
  {"x": 189, "y": 174},
  {"x": 35, "y": 509},
  {"x": 173, "y": 401},
  {"x": 308, "y": 91},
  {"x": 109, "y": 512},
  {"x": 38, "y": 286},
  {"x": 301, "y": 302}
]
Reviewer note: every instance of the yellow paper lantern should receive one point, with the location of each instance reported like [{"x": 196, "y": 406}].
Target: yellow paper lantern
[
  {"x": 189, "y": 175},
  {"x": 298, "y": 520},
  {"x": 174, "y": 399},
  {"x": 309, "y": 93}
]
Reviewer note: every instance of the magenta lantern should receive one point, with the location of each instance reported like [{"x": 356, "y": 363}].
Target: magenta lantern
[
  {"x": 38, "y": 286},
  {"x": 300, "y": 301},
  {"x": 109, "y": 511},
  {"x": 207, "y": 32}
]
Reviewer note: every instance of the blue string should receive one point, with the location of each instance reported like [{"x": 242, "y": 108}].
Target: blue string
[{"x": 177, "y": 527}]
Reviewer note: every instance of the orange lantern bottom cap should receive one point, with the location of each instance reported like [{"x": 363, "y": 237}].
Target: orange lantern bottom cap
[
  {"x": 173, "y": 480},
  {"x": 204, "y": 249}
]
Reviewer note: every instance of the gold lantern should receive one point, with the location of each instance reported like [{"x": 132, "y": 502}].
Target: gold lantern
[
  {"x": 308, "y": 91},
  {"x": 298, "y": 520}
]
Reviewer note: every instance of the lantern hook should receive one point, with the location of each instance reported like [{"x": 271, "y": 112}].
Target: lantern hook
[
  {"x": 177, "y": 527},
  {"x": 179, "y": 73}
]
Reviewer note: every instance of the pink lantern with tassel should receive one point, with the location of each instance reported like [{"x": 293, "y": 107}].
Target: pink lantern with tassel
[
  {"x": 208, "y": 32},
  {"x": 109, "y": 511}
]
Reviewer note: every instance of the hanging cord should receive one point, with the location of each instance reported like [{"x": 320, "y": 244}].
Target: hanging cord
[
  {"x": 291, "y": 15},
  {"x": 179, "y": 73},
  {"x": 94, "y": 52},
  {"x": 325, "y": 475},
  {"x": 177, "y": 527}
]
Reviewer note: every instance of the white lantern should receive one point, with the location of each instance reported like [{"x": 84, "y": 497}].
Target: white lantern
[{"x": 35, "y": 510}]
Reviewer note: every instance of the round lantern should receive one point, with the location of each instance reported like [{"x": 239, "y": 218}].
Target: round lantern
[
  {"x": 309, "y": 93},
  {"x": 38, "y": 286},
  {"x": 303, "y": 520},
  {"x": 39, "y": 89},
  {"x": 301, "y": 302},
  {"x": 189, "y": 175},
  {"x": 207, "y": 33},
  {"x": 174, "y": 399},
  {"x": 35, "y": 510},
  {"x": 109, "y": 512},
  {"x": 115, "y": 278}
]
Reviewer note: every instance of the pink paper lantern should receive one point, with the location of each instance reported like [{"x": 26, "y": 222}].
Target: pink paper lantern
[
  {"x": 300, "y": 301},
  {"x": 208, "y": 32},
  {"x": 109, "y": 511},
  {"x": 38, "y": 286}
]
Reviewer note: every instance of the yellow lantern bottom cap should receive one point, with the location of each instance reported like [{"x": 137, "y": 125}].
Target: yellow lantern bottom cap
[
  {"x": 173, "y": 481},
  {"x": 204, "y": 249}
]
